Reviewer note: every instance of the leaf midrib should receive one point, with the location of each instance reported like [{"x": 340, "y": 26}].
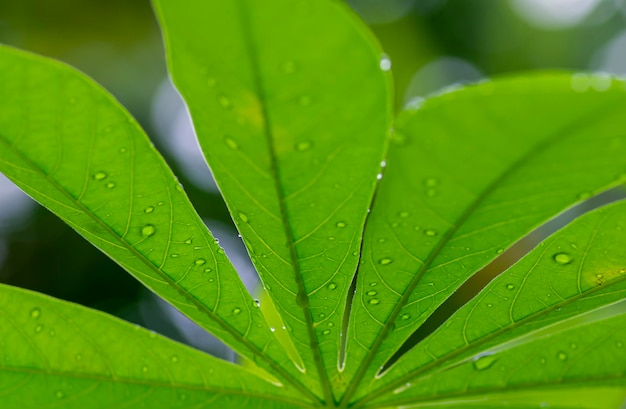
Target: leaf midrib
[
  {"x": 542, "y": 145},
  {"x": 260, "y": 91}
]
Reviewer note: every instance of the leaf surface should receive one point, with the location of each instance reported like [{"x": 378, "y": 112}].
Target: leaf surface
[
  {"x": 557, "y": 318},
  {"x": 72, "y": 147},
  {"x": 470, "y": 173},
  {"x": 57, "y": 354},
  {"x": 291, "y": 103}
]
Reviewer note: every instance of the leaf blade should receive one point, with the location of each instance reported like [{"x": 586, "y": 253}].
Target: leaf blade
[
  {"x": 486, "y": 177},
  {"x": 117, "y": 192}
]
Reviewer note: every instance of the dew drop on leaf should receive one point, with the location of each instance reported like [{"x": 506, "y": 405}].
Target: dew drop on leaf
[
  {"x": 149, "y": 209},
  {"x": 305, "y": 100},
  {"x": 35, "y": 313},
  {"x": 543, "y": 361},
  {"x": 111, "y": 185},
  {"x": 122, "y": 150},
  {"x": 619, "y": 344},
  {"x": 563, "y": 258},
  {"x": 289, "y": 67},
  {"x": 78, "y": 357},
  {"x": 174, "y": 359},
  {"x": 372, "y": 293},
  {"x": 341, "y": 224},
  {"x": 374, "y": 301},
  {"x": 148, "y": 230},
  {"x": 322, "y": 316},
  {"x": 484, "y": 362},
  {"x": 573, "y": 345},
  {"x": 385, "y": 62},
  {"x": 404, "y": 214},
  {"x": 174, "y": 255},
  {"x": 405, "y": 317},
  {"x": 243, "y": 217},
  {"x": 304, "y": 146},
  {"x": 430, "y": 232},
  {"x": 326, "y": 332},
  {"x": 59, "y": 395},
  {"x": 231, "y": 143},
  {"x": 100, "y": 176},
  {"x": 562, "y": 356},
  {"x": 199, "y": 261},
  {"x": 499, "y": 251},
  {"x": 510, "y": 286},
  {"x": 38, "y": 328},
  {"x": 224, "y": 102},
  {"x": 145, "y": 369},
  {"x": 373, "y": 284},
  {"x": 332, "y": 286},
  {"x": 431, "y": 182},
  {"x": 385, "y": 261},
  {"x": 236, "y": 311},
  {"x": 52, "y": 332}
]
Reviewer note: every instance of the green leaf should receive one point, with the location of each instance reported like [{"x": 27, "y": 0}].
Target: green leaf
[
  {"x": 470, "y": 173},
  {"x": 57, "y": 354},
  {"x": 72, "y": 147},
  {"x": 291, "y": 103},
  {"x": 557, "y": 318}
]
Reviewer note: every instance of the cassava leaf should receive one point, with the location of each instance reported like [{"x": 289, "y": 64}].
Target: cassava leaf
[
  {"x": 557, "y": 318},
  {"x": 470, "y": 173},
  {"x": 291, "y": 104},
  {"x": 72, "y": 147},
  {"x": 57, "y": 354}
]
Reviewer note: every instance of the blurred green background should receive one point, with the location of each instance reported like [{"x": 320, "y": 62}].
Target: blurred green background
[{"x": 432, "y": 44}]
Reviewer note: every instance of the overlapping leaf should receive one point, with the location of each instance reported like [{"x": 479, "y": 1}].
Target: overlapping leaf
[
  {"x": 57, "y": 354},
  {"x": 290, "y": 101},
  {"x": 554, "y": 320},
  {"x": 470, "y": 173},
  {"x": 74, "y": 149}
]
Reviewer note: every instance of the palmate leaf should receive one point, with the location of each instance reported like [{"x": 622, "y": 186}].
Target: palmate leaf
[
  {"x": 73, "y": 148},
  {"x": 292, "y": 109},
  {"x": 469, "y": 174},
  {"x": 57, "y": 354}
]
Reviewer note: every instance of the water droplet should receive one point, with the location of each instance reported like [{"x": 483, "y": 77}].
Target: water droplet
[
  {"x": 122, "y": 150},
  {"x": 304, "y": 146},
  {"x": 174, "y": 255},
  {"x": 499, "y": 251},
  {"x": 100, "y": 176},
  {"x": 148, "y": 230},
  {"x": 207, "y": 270},
  {"x": 330, "y": 324},
  {"x": 38, "y": 328},
  {"x": 382, "y": 240},
  {"x": 562, "y": 356},
  {"x": 372, "y": 292},
  {"x": 385, "y": 261},
  {"x": 543, "y": 361},
  {"x": 149, "y": 209},
  {"x": 584, "y": 195},
  {"x": 332, "y": 286},
  {"x": 111, "y": 185},
  {"x": 322, "y": 315},
  {"x": 78, "y": 357},
  {"x": 200, "y": 262},
  {"x": 59, "y": 395},
  {"x": 189, "y": 241},
  {"x": 385, "y": 62},
  {"x": 52, "y": 332},
  {"x": 431, "y": 182},
  {"x": 573, "y": 345},
  {"x": 243, "y": 217},
  {"x": 231, "y": 143},
  {"x": 619, "y": 344},
  {"x": 405, "y": 317},
  {"x": 331, "y": 238},
  {"x": 236, "y": 311},
  {"x": 484, "y": 362},
  {"x": 510, "y": 286},
  {"x": 220, "y": 251},
  {"x": 35, "y": 313},
  {"x": 489, "y": 305},
  {"x": 563, "y": 258},
  {"x": 341, "y": 224},
  {"x": 145, "y": 369},
  {"x": 355, "y": 253},
  {"x": 379, "y": 176},
  {"x": 431, "y": 193},
  {"x": 174, "y": 359},
  {"x": 373, "y": 284},
  {"x": 374, "y": 301},
  {"x": 305, "y": 100},
  {"x": 224, "y": 102},
  {"x": 289, "y": 67},
  {"x": 404, "y": 214},
  {"x": 326, "y": 332},
  {"x": 430, "y": 232}
]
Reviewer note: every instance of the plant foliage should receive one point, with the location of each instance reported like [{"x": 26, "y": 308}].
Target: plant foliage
[{"x": 361, "y": 226}]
